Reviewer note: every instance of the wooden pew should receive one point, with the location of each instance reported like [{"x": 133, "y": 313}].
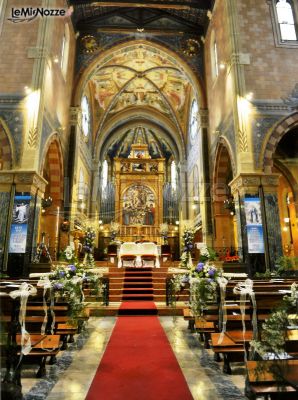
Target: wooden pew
[
  {"x": 43, "y": 346},
  {"x": 280, "y": 385}
]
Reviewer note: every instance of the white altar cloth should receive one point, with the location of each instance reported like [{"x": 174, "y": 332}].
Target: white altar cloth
[{"x": 138, "y": 250}]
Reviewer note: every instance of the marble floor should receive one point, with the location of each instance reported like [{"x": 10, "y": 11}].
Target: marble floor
[{"x": 71, "y": 377}]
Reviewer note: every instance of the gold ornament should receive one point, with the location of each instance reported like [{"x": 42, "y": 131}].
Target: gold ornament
[
  {"x": 191, "y": 47},
  {"x": 90, "y": 44}
]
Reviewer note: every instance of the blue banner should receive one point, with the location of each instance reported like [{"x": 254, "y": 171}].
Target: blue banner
[
  {"x": 254, "y": 226},
  {"x": 19, "y": 226}
]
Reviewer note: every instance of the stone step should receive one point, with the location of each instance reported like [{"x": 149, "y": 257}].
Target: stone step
[
  {"x": 161, "y": 298},
  {"x": 137, "y": 291},
  {"x": 136, "y": 285}
]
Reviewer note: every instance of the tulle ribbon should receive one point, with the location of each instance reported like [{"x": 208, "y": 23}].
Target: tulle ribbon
[
  {"x": 222, "y": 309},
  {"x": 243, "y": 289},
  {"x": 25, "y": 290}
]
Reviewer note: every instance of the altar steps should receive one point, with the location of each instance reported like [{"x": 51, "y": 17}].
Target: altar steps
[
  {"x": 131, "y": 291},
  {"x": 122, "y": 280}
]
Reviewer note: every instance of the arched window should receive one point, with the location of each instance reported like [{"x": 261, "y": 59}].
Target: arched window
[
  {"x": 173, "y": 175},
  {"x": 214, "y": 56},
  {"x": 65, "y": 50},
  {"x": 286, "y": 22},
  {"x": 105, "y": 174},
  {"x": 81, "y": 186},
  {"x": 193, "y": 120},
  {"x": 85, "y": 116}
]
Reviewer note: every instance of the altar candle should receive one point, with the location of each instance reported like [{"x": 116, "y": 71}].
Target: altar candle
[{"x": 57, "y": 224}]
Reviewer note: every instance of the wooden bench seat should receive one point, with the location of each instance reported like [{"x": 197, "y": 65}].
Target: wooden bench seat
[
  {"x": 43, "y": 346},
  {"x": 284, "y": 384},
  {"x": 232, "y": 350}
]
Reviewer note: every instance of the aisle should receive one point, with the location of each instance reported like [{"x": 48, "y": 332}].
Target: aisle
[{"x": 139, "y": 364}]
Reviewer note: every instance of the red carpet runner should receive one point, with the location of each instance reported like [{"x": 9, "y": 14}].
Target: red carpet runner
[{"x": 139, "y": 364}]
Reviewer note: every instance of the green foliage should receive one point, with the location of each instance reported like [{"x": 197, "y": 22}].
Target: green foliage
[
  {"x": 275, "y": 328},
  {"x": 202, "y": 291},
  {"x": 285, "y": 264},
  {"x": 266, "y": 274}
]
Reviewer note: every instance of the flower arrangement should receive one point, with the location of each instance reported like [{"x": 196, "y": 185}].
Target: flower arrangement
[
  {"x": 164, "y": 229},
  {"x": 67, "y": 282},
  {"x": 207, "y": 254},
  {"x": 203, "y": 286},
  {"x": 188, "y": 237},
  {"x": 114, "y": 229},
  {"x": 89, "y": 238}
]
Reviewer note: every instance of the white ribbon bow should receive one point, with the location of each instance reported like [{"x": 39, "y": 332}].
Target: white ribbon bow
[
  {"x": 24, "y": 292},
  {"x": 243, "y": 289},
  {"x": 223, "y": 312},
  {"x": 47, "y": 285}
]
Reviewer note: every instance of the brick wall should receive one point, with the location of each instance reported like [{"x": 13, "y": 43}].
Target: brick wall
[
  {"x": 15, "y": 66},
  {"x": 219, "y": 89},
  {"x": 272, "y": 73}
]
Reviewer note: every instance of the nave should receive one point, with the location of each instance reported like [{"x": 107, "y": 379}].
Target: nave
[{"x": 71, "y": 377}]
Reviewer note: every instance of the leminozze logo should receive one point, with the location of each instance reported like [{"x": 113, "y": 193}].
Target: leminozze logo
[{"x": 29, "y": 13}]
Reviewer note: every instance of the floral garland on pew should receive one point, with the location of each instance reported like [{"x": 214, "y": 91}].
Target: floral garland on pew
[
  {"x": 203, "y": 281},
  {"x": 67, "y": 283},
  {"x": 203, "y": 286},
  {"x": 275, "y": 329},
  {"x": 272, "y": 342}
]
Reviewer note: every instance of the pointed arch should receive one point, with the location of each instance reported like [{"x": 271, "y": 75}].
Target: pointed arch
[
  {"x": 272, "y": 139},
  {"x": 7, "y": 149},
  {"x": 53, "y": 160}
]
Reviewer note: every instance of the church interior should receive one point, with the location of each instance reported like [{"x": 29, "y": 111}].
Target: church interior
[{"x": 149, "y": 199}]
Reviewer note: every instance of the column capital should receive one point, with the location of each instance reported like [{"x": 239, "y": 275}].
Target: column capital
[
  {"x": 250, "y": 183},
  {"x": 25, "y": 181}
]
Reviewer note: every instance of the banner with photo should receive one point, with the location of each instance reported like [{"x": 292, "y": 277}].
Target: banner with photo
[
  {"x": 19, "y": 225},
  {"x": 253, "y": 215}
]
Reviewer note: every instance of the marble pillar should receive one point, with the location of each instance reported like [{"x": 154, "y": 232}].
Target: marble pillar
[
  {"x": 260, "y": 189},
  {"x": 32, "y": 185}
]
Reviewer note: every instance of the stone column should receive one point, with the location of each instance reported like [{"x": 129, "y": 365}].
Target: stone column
[
  {"x": 206, "y": 209},
  {"x": 13, "y": 183},
  {"x": 264, "y": 187}
]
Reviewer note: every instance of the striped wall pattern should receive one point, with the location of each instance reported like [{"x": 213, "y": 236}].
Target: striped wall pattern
[
  {"x": 55, "y": 171},
  {"x": 284, "y": 127},
  {"x": 221, "y": 172}
]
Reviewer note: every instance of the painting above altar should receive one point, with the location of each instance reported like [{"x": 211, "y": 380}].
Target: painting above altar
[{"x": 138, "y": 206}]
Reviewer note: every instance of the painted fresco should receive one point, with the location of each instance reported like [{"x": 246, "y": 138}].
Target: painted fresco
[
  {"x": 138, "y": 206},
  {"x": 138, "y": 76}
]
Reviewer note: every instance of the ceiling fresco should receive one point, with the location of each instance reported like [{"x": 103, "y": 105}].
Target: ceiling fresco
[
  {"x": 141, "y": 76},
  {"x": 158, "y": 146}
]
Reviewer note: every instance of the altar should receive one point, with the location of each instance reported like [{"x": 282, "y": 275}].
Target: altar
[{"x": 137, "y": 251}]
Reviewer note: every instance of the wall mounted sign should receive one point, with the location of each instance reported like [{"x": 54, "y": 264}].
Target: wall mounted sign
[
  {"x": 254, "y": 225},
  {"x": 19, "y": 225}
]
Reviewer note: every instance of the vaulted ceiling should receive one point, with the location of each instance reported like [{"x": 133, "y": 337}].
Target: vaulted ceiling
[{"x": 153, "y": 17}]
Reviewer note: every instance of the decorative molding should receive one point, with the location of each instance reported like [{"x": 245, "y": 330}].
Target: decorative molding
[
  {"x": 32, "y": 137},
  {"x": 74, "y": 114},
  {"x": 276, "y": 107},
  {"x": 240, "y": 59},
  {"x": 4, "y": 178},
  {"x": 37, "y": 52},
  {"x": 249, "y": 183},
  {"x": 204, "y": 115},
  {"x": 292, "y": 100},
  {"x": 243, "y": 144},
  {"x": 31, "y": 179}
]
